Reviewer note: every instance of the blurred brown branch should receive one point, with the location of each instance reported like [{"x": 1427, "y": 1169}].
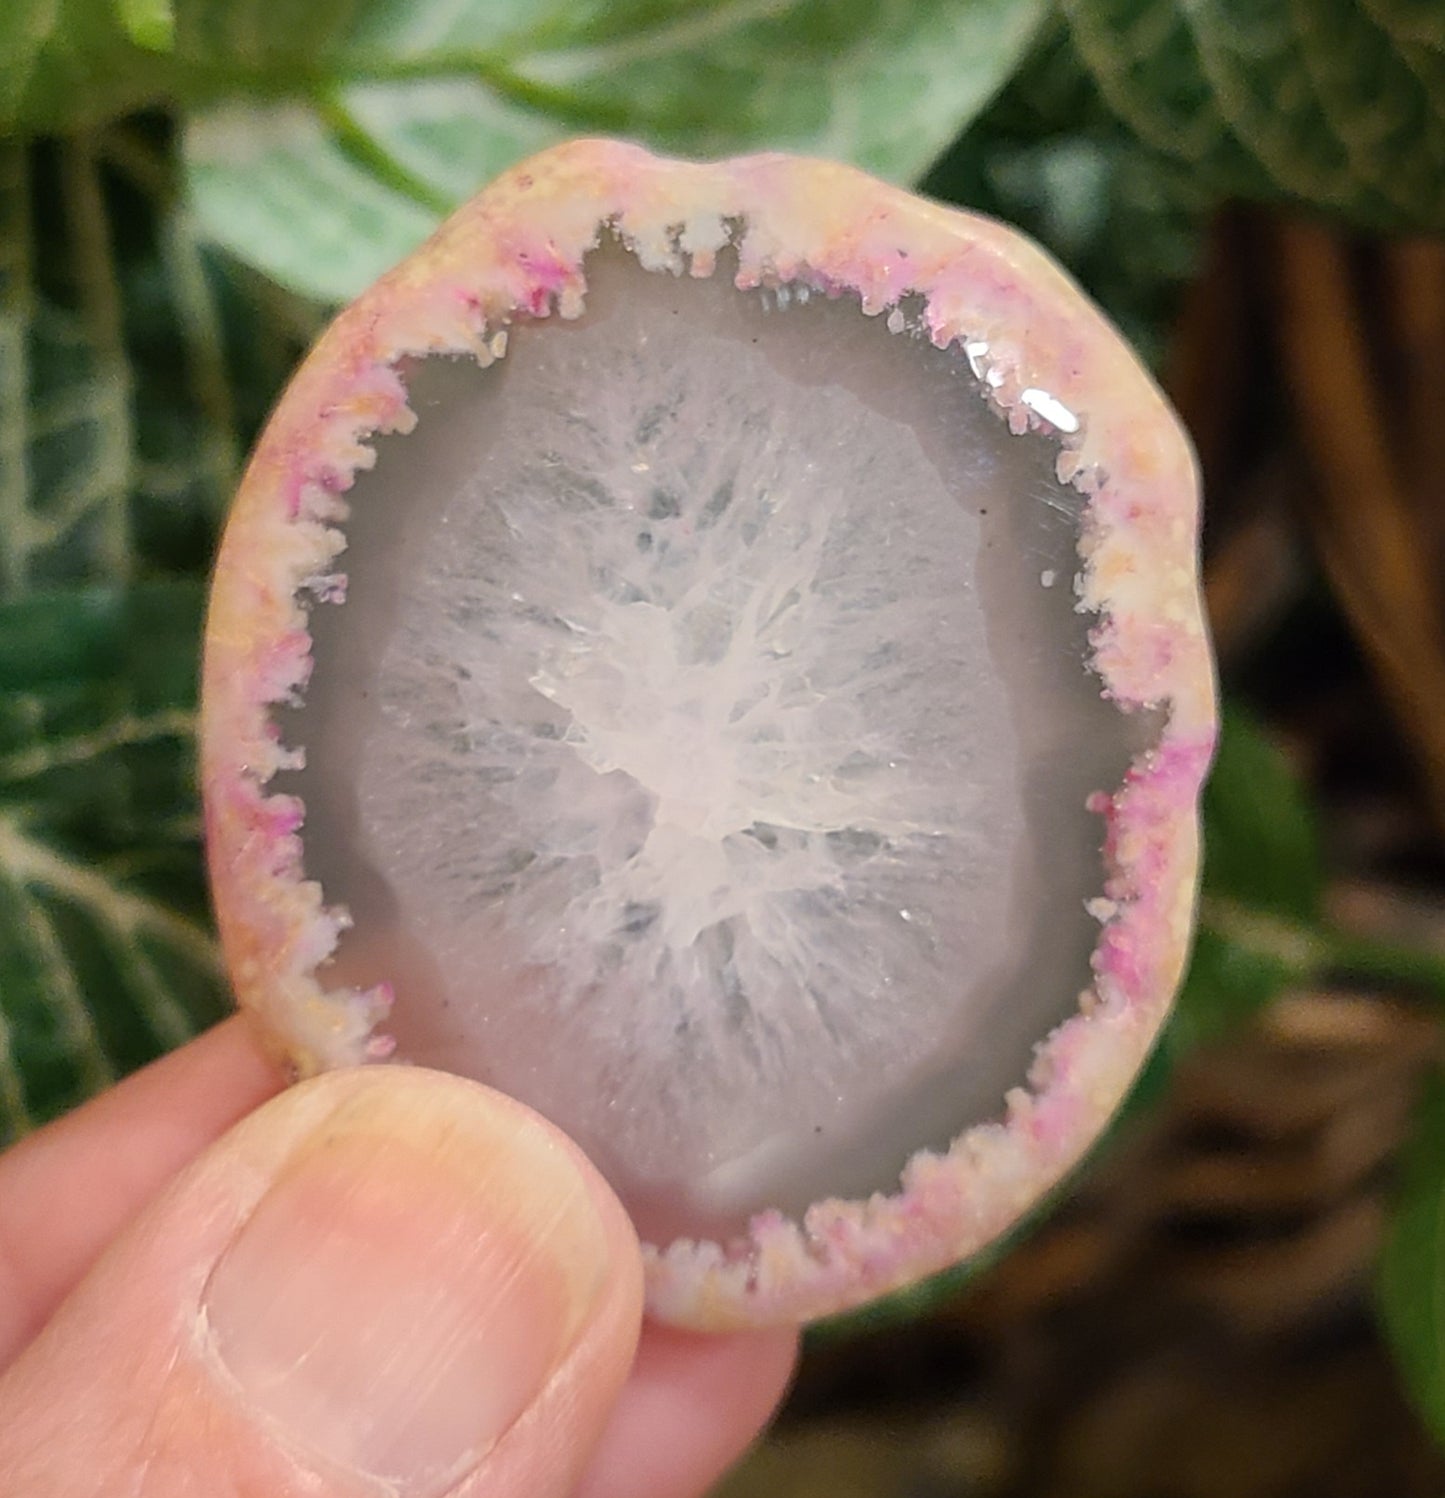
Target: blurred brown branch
[{"x": 1371, "y": 538}]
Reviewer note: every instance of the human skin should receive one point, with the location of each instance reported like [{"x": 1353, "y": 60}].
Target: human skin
[{"x": 114, "y": 1220}]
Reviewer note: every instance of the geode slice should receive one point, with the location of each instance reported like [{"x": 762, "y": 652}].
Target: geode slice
[{"x": 761, "y": 720}]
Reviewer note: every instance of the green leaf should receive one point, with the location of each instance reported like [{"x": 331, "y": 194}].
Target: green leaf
[
  {"x": 1338, "y": 104},
  {"x": 81, "y": 64},
  {"x": 1411, "y": 1284},
  {"x": 25, "y": 27},
  {"x": 1261, "y": 839},
  {"x": 66, "y": 63},
  {"x": 1228, "y": 983},
  {"x": 150, "y": 24},
  {"x": 420, "y": 104},
  {"x": 134, "y": 366},
  {"x": 106, "y": 957},
  {"x": 1260, "y": 926},
  {"x": 288, "y": 189},
  {"x": 884, "y": 85}
]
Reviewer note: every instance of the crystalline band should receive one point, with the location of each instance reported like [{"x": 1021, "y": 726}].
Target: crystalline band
[{"x": 520, "y": 247}]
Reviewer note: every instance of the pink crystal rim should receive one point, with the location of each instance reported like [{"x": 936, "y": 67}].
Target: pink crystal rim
[{"x": 1049, "y": 360}]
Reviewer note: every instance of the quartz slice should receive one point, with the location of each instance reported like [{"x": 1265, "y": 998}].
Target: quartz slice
[
  {"x": 703, "y": 747},
  {"x": 715, "y": 650}
]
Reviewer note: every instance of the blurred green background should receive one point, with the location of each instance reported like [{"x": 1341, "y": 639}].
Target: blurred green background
[{"x": 1245, "y": 1292}]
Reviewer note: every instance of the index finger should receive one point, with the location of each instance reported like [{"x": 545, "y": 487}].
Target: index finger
[{"x": 68, "y": 1189}]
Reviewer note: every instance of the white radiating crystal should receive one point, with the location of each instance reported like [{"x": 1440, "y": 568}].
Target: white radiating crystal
[{"x": 694, "y": 752}]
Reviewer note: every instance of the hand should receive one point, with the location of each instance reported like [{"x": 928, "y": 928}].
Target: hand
[{"x": 386, "y": 1281}]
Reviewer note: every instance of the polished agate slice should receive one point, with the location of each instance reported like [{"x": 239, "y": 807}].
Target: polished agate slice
[{"x": 756, "y": 717}]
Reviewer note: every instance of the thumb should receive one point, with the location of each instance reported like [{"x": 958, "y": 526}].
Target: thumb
[{"x": 385, "y": 1281}]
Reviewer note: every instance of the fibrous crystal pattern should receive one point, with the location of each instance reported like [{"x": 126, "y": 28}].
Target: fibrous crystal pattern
[
  {"x": 1075, "y": 742},
  {"x": 686, "y": 709}
]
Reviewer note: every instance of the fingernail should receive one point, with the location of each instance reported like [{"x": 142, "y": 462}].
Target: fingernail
[{"x": 407, "y": 1285}]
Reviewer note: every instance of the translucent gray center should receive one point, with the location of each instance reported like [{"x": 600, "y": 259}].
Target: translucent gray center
[{"x": 703, "y": 746}]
